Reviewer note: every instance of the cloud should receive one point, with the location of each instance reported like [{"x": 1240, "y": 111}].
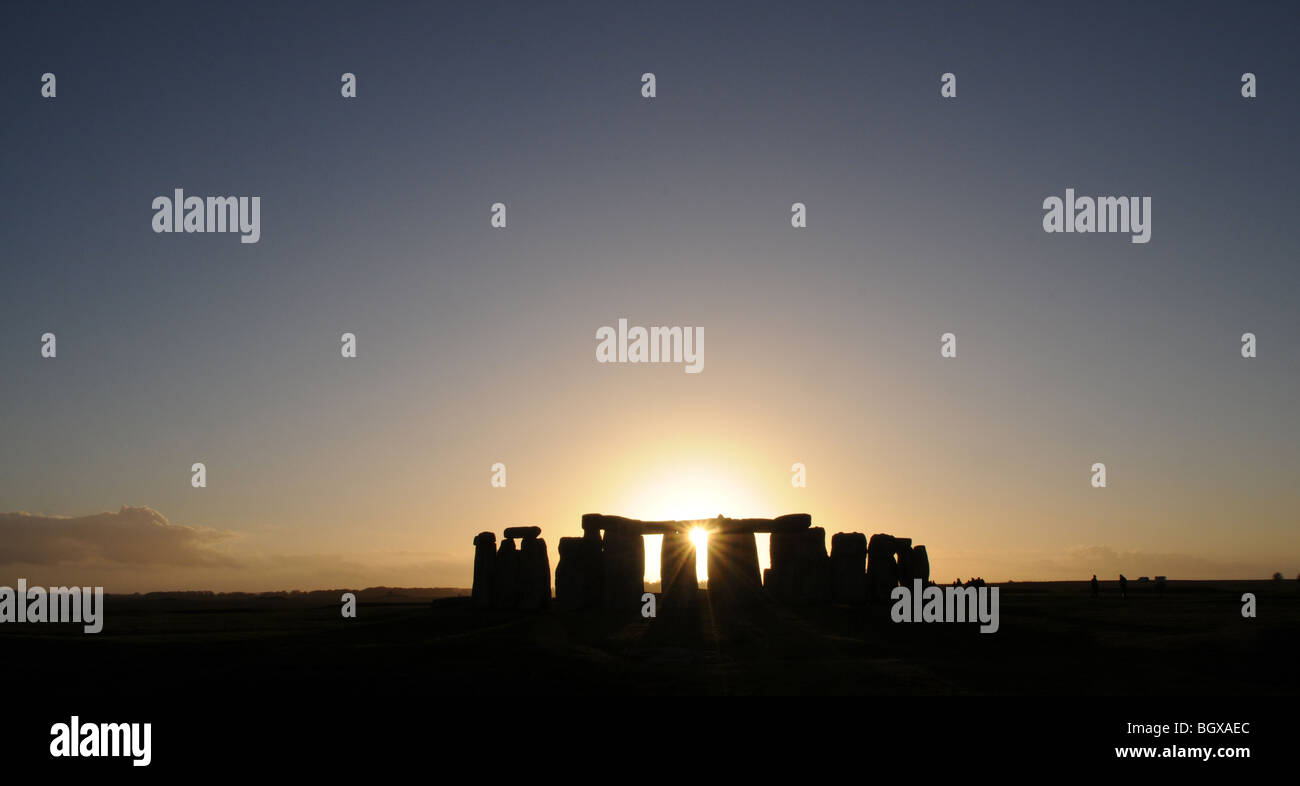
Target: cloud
[
  {"x": 137, "y": 549},
  {"x": 130, "y": 537}
]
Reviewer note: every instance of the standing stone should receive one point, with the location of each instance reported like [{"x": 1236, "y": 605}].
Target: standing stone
[
  {"x": 801, "y": 571},
  {"x": 734, "y": 577},
  {"x": 506, "y": 576},
  {"x": 882, "y": 570},
  {"x": 485, "y": 552},
  {"x": 920, "y": 564},
  {"x": 678, "y": 581},
  {"x": 571, "y": 575},
  {"x": 593, "y": 566},
  {"x": 783, "y": 550},
  {"x": 534, "y": 585},
  {"x": 812, "y": 568},
  {"x": 783, "y": 553},
  {"x": 624, "y": 564},
  {"x": 849, "y": 567},
  {"x": 903, "y": 556}
]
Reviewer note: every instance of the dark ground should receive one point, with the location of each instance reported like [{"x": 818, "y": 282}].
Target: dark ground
[{"x": 1054, "y": 640}]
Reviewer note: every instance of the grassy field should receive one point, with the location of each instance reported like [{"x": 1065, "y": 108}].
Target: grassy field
[{"x": 1054, "y": 640}]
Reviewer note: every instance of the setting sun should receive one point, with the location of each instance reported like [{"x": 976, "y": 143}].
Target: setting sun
[
  {"x": 692, "y": 491},
  {"x": 687, "y": 492},
  {"x": 700, "y": 540}
]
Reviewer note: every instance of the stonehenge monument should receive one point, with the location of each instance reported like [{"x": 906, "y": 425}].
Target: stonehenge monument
[
  {"x": 510, "y": 578},
  {"x": 605, "y": 568},
  {"x": 893, "y": 561}
]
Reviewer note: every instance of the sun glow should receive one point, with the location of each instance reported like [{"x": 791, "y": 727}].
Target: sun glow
[
  {"x": 692, "y": 491},
  {"x": 689, "y": 493},
  {"x": 700, "y": 540}
]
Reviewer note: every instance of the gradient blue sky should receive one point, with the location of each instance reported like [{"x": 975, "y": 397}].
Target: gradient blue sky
[{"x": 477, "y": 345}]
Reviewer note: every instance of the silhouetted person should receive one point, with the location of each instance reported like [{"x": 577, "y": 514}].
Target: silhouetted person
[
  {"x": 1123, "y": 587},
  {"x": 1096, "y": 585}
]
